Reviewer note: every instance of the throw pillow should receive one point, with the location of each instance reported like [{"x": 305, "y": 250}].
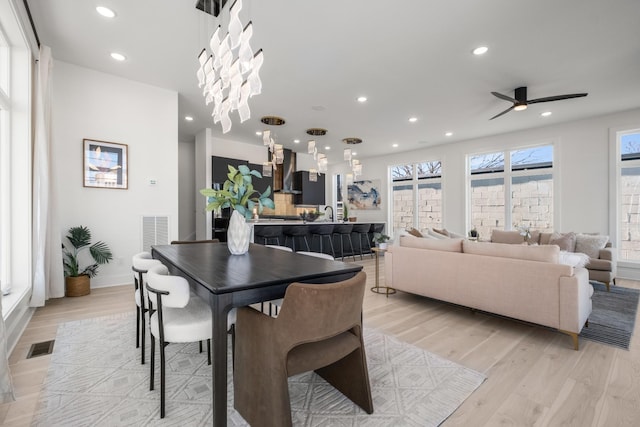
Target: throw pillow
[
  {"x": 574, "y": 259},
  {"x": 435, "y": 235},
  {"x": 414, "y": 232},
  {"x": 444, "y": 231},
  {"x": 590, "y": 244},
  {"x": 566, "y": 241}
]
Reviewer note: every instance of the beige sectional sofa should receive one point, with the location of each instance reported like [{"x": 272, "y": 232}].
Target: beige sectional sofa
[
  {"x": 522, "y": 282},
  {"x": 602, "y": 261}
]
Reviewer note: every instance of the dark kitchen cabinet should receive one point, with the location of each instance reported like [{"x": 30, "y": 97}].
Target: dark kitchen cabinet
[{"x": 312, "y": 192}]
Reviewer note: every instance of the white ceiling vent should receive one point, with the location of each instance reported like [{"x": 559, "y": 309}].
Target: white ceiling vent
[{"x": 155, "y": 231}]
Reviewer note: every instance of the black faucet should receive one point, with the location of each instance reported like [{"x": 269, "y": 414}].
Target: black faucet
[{"x": 329, "y": 207}]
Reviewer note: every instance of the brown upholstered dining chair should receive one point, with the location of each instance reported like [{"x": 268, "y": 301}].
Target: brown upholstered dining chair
[{"x": 319, "y": 328}]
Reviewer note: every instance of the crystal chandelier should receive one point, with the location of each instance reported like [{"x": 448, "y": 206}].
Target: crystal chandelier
[{"x": 229, "y": 73}]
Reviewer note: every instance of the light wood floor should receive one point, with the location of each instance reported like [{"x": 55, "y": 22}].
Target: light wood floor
[{"x": 535, "y": 378}]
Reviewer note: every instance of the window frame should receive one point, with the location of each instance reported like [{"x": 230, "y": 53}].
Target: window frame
[
  {"x": 508, "y": 174},
  {"x": 415, "y": 182},
  {"x": 616, "y": 166}
]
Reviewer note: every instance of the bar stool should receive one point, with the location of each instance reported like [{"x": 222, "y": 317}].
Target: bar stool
[
  {"x": 267, "y": 232},
  {"x": 363, "y": 230},
  {"x": 344, "y": 230},
  {"x": 294, "y": 231},
  {"x": 322, "y": 231}
]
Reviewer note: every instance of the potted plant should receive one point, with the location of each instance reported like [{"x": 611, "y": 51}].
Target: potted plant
[
  {"x": 380, "y": 239},
  {"x": 238, "y": 194},
  {"x": 77, "y": 280},
  {"x": 473, "y": 233}
]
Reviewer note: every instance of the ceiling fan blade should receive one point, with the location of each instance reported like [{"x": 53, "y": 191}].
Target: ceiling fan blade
[
  {"x": 505, "y": 97},
  {"x": 504, "y": 112},
  {"x": 557, "y": 98}
]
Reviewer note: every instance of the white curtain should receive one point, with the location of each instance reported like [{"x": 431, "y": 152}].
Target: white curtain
[
  {"x": 6, "y": 388},
  {"x": 48, "y": 277}
]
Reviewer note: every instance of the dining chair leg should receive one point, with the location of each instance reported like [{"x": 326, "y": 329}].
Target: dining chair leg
[
  {"x": 162, "y": 381},
  {"x": 153, "y": 363},
  {"x": 142, "y": 335},
  {"x": 137, "y": 327},
  {"x": 200, "y": 346},
  {"x": 208, "y": 352}
]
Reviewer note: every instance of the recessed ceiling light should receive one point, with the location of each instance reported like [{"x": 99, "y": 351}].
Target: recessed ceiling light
[
  {"x": 327, "y": 147},
  {"x": 105, "y": 11},
  {"x": 520, "y": 107},
  {"x": 362, "y": 99},
  {"x": 354, "y": 154},
  {"x": 481, "y": 50},
  {"x": 118, "y": 56},
  {"x": 394, "y": 145},
  {"x": 546, "y": 114},
  {"x": 188, "y": 118},
  {"x": 448, "y": 134},
  {"x": 413, "y": 119},
  {"x": 296, "y": 141},
  {"x": 259, "y": 133}
]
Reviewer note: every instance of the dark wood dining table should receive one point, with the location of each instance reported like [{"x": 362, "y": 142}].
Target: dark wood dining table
[{"x": 228, "y": 281}]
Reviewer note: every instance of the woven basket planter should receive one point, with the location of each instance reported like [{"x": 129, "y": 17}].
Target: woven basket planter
[{"x": 77, "y": 286}]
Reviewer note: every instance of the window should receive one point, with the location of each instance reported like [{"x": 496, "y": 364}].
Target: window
[
  {"x": 417, "y": 195},
  {"x": 15, "y": 159},
  {"x": 508, "y": 189},
  {"x": 629, "y": 195}
]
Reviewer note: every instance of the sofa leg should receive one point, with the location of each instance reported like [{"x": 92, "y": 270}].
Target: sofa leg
[
  {"x": 586, "y": 324},
  {"x": 608, "y": 286},
  {"x": 572, "y": 335}
]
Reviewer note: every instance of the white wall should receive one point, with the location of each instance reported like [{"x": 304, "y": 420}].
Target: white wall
[
  {"x": 581, "y": 157},
  {"x": 91, "y": 104},
  {"x": 187, "y": 191}
]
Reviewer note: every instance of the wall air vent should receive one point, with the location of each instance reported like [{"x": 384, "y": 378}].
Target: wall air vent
[{"x": 155, "y": 231}]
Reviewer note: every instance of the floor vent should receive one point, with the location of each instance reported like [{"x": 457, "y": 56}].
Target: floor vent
[{"x": 40, "y": 349}]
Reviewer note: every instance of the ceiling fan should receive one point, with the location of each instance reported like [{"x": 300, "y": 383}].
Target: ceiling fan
[{"x": 520, "y": 101}]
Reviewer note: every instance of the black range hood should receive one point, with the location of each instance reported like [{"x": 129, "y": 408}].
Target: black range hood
[{"x": 283, "y": 174}]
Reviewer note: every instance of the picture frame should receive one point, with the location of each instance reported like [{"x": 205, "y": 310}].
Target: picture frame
[{"x": 105, "y": 164}]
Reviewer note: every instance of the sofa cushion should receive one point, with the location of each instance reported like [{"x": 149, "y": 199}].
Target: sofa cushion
[
  {"x": 590, "y": 244},
  {"x": 447, "y": 245},
  {"x": 566, "y": 241},
  {"x": 513, "y": 237},
  {"x": 545, "y": 253}
]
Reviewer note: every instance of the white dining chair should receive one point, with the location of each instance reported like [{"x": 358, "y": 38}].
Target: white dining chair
[
  {"x": 179, "y": 317},
  {"x": 140, "y": 263}
]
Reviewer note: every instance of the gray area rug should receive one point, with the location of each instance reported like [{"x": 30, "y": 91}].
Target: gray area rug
[
  {"x": 95, "y": 379},
  {"x": 613, "y": 317}
]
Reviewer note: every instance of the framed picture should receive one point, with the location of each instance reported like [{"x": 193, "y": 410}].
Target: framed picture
[
  {"x": 105, "y": 164},
  {"x": 364, "y": 195}
]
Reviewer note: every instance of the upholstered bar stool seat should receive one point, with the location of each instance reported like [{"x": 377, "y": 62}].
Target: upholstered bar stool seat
[
  {"x": 344, "y": 231},
  {"x": 362, "y": 230},
  {"x": 322, "y": 231},
  {"x": 293, "y": 231},
  {"x": 266, "y": 233}
]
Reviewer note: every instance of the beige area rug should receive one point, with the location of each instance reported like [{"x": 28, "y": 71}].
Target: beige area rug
[{"x": 95, "y": 379}]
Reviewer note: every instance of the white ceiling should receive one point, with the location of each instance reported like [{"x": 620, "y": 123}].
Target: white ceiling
[{"x": 409, "y": 57}]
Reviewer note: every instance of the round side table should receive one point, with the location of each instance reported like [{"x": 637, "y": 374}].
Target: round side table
[{"x": 387, "y": 290}]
